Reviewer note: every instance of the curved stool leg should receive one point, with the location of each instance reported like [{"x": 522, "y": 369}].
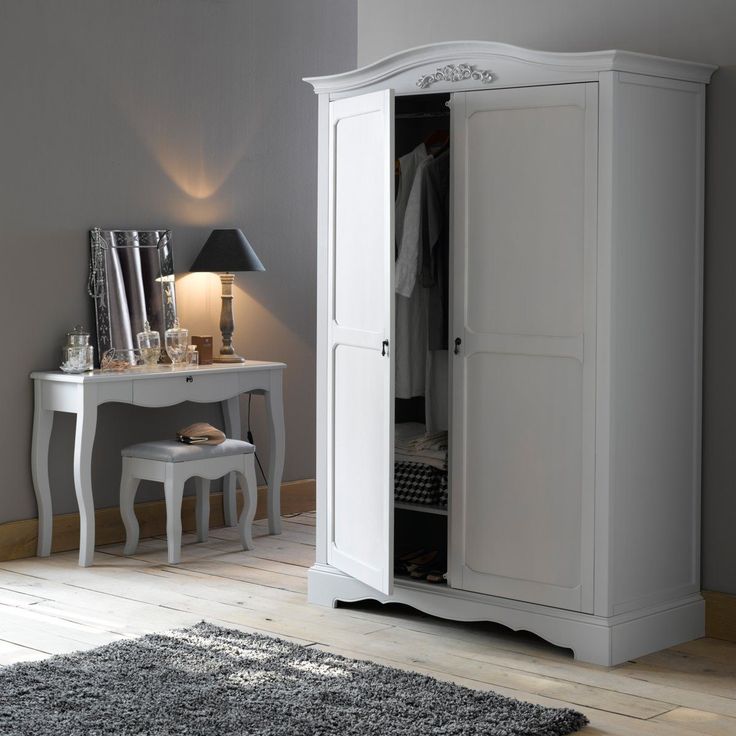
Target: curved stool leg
[
  {"x": 173, "y": 491},
  {"x": 203, "y": 508},
  {"x": 250, "y": 498},
  {"x": 128, "y": 487}
]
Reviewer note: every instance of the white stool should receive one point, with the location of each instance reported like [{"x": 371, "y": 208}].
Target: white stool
[{"x": 172, "y": 463}]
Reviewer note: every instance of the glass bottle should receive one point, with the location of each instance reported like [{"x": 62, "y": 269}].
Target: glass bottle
[
  {"x": 192, "y": 356},
  {"x": 149, "y": 343}
]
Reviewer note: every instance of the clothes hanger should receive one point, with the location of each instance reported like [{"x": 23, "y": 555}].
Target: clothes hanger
[
  {"x": 438, "y": 139},
  {"x": 443, "y": 149}
]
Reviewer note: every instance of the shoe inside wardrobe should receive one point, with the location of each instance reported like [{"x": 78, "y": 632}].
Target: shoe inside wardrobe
[{"x": 421, "y": 337}]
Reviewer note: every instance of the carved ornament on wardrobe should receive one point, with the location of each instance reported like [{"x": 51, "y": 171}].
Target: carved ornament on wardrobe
[{"x": 455, "y": 73}]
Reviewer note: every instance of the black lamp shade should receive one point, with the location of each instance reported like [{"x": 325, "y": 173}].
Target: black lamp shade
[{"x": 227, "y": 250}]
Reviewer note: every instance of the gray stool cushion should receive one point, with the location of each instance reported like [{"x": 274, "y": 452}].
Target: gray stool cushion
[{"x": 171, "y": 451}]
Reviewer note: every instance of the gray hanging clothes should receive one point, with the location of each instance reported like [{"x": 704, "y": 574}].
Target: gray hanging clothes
[
  {"x": 434, "y": 280},
  {"x": 435, "y": 241},
  {"x": 410, "y": 353}
]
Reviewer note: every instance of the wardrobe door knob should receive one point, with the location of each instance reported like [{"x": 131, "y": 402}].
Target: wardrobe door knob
[
  {"x": 384, "y": 347},
  {"x": 458, "y": 343}
]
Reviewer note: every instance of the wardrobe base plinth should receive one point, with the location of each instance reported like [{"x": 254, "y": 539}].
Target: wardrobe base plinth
[{"x": 594, "y": 639}]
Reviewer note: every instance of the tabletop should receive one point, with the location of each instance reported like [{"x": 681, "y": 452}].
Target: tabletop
[{"x": 161, "y": 371}]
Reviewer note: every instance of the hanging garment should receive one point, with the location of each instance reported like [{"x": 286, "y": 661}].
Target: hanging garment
[
  {"x": 436, "y": 403},
  {"x": 422, "y": 269},
  {"x": 435, "y": 274},
  {"x": 408, "y": 165},
  {"x": 436, "y": 247},
  {"x": 410, "y": 354},
  {"x": 407, "y": 262}
]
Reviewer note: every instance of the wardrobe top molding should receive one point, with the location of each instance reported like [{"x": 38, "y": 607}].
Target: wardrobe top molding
[{"x": 462, "y": 65}]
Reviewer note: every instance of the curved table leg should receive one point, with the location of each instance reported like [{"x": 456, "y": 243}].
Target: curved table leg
[
  {"x": 43, "y": 421},
  {"x": 84, "y": 438},
  {"x": 275, "y": 411},
  {"x": 231, "y": 415}
]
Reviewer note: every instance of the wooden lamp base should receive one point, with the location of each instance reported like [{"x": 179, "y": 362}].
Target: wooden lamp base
[{"x": 227, "y": 325}]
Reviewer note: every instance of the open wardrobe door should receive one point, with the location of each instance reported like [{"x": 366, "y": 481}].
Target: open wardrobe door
[{"x": 359, "y": 469}]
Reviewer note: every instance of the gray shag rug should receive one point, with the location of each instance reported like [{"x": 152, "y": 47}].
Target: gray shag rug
[{"x": 210, "y": 681}]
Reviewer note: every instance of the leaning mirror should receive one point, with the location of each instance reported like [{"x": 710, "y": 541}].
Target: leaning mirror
[{"x": 131, "y": 279}]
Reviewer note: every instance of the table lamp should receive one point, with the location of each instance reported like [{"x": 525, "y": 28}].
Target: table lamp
[{"x": 225, "y": 252}]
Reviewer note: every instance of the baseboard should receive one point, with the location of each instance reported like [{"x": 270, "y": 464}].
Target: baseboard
[
  {"x": 19, "y": 538},
  {"x": 720, "y": 615}
]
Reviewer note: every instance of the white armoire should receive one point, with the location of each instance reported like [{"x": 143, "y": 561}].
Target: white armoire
[{"x": 576, "y": 270}]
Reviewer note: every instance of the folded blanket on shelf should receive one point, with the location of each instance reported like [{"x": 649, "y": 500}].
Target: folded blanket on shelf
[
  {"x": 407, "y": 432},
  {"x": 412, "y": 444},
  {"x": 434, "y": 441}
]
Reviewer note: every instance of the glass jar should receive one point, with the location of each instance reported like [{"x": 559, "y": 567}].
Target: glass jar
[
  {"x": 177, "y": 342},
  {"x": 149, "y": 345},
  {"x": 77, "y": 355}
]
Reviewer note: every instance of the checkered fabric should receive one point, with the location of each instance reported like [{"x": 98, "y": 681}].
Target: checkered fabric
[{"x": 419, "y": 483}]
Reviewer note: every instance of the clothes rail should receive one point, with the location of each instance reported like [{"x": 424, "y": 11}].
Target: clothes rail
[{"x": 415, "y": 115}]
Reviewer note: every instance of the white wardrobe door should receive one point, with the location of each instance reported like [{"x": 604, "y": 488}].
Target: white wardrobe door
[
  {"x": 524, "y": 178},
  {"x": 360, "y": 416}
]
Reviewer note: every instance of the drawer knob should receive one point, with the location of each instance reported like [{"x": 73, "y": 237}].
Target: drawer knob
[{"x": 190, "y": 379}]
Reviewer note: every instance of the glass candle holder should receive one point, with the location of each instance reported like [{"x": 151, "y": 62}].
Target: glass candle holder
[{"x": 77, "y": 358}]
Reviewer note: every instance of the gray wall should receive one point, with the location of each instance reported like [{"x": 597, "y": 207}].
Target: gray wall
[
  {"x": 188, "y": 114},
  {"x": 701, "y": 31}
]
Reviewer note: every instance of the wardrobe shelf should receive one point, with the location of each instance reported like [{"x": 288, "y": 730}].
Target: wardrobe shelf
[
  {"x": 409, "y": 580},
  {"x": 426, "y": 509}
]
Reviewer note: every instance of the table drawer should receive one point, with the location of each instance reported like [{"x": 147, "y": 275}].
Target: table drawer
[{"x": 183, "y": 386}]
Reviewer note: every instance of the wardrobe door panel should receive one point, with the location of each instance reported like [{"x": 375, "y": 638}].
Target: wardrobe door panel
[
  {"x": 524, "y": 441},
  {"x": 360, "y": 416},
  {"x": 524, "y": 178},
  {"x": 525, "y": 187},
  {"x": 359, "y": 476},
  {"x": 359, "y": 214}
]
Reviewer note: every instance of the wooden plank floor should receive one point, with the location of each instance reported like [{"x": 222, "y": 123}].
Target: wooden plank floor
[{"x": 52, "y": 606}]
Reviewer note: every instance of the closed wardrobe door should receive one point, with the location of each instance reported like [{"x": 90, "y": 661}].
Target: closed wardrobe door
[
  {"x": 523, "y": 372},
  {"x": 359, "y": 473}
]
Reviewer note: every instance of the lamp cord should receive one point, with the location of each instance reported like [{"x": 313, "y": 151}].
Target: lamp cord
[{"x": 249, "y": 435}]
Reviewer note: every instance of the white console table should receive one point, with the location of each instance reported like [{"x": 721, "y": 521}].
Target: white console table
[{"x": 81, "y": 394}]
